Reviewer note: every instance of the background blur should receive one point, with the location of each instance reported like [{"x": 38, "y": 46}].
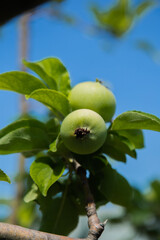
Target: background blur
[{"x": 128, "y": 64}]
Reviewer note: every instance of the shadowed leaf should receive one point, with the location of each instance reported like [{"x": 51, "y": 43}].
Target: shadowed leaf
[
  {"x": 58, "y": 216},
  {"x": 135, "y": 136},
  {"x": 117, "y": 146},
  {"x": 23, "y": 135},
  {"x": 4, "y": 177},
  {"x": 115, "y": 187}
]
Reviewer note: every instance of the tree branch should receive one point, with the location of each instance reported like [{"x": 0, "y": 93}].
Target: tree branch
[
  {"x": 23, "y": 52},
  {"x": 95, "y": 227},
  {"x": 13, "y": 232}
]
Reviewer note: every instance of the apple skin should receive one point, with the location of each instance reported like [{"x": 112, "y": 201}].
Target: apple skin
[
  {"x": 83, "y": 131},
  {"x": 94, "y": 96}
]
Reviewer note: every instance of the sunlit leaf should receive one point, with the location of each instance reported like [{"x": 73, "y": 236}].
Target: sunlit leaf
[
  {"x": 121, "y": 16},
  {"x": 53, "y": 72},
  {"x": 124, "y": 4},
  {"x": 32, "y": 194},
  {"x": 20, "y": 82},
  {"x": 54, "y": 100},
  {"x": 136, "y": 120},
  {"x": 117, "y": 20},
  {"x": 53, "y": 146},
  {"x": 44, "y": 173}
]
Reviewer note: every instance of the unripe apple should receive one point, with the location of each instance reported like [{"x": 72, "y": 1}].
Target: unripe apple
[
  {"x": 94, "y": 96},
  {"x": 83, "y": 131}
]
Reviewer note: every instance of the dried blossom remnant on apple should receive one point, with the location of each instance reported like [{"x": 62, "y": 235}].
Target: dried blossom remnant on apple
[{"x": 83, "y": 131}]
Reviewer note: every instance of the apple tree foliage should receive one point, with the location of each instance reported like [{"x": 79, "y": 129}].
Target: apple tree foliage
[
  {"x": 53, "y": 185},
  {"x": 121, "y": 16}
]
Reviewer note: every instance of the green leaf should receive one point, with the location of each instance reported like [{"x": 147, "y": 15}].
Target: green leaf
[
  {"x": 142, "y": 7},
  {"x": 53, "y": 72},
  {"x": 4, "y": 177},
  {"x": 30, "y": 154},
  {"x": 32, "y": 194},
  {"x": 136, "y": 120},
  {"x": 45, "y": 173},
  {"x": 58, "y": 217},
  {"x": 155, "y": 185},
  {"x": 115, "y": 145},
  {"x": 54, "y": 100},
  {"x": 135, "y": 136},
  {"x": 146, "y": 47},
  {"x": 58, "y": 149},
  {"x": 53, "y": 128},
  {"x": 20, "y": 82},
  {"x": 38, "y": 68},
  {"x": 26, "y": 214},
  {"x": 75, "y": 191},
  {"x": 94, "y": 163},
  {"x": 115, "y": 187},
  {"x": 124, "y": 4},
  {"x": 99, "y": 198},
  {"x": 23, "y": 135},
  {"x": 114, "y": 153},
  {"x": 149, "y": 49},
  {"x": 55, "y": 144},
  {"x": 117, "y": 20}
]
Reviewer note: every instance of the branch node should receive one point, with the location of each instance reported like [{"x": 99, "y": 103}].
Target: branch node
[
  {"x": 95, "y": 232},
  {"x": 105, "y": 222}
]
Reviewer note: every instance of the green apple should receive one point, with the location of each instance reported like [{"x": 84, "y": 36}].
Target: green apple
[
  {"x": 94, "y": 96},
  {"x": 83, "y": 131}
]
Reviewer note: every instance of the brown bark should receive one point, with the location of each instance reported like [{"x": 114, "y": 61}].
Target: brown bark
[
  {"x": 95, "y": 226},
  {"x": 13, "y": 232}
]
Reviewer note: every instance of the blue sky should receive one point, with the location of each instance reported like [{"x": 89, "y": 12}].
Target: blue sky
[{"x": 132, "y": 75}]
